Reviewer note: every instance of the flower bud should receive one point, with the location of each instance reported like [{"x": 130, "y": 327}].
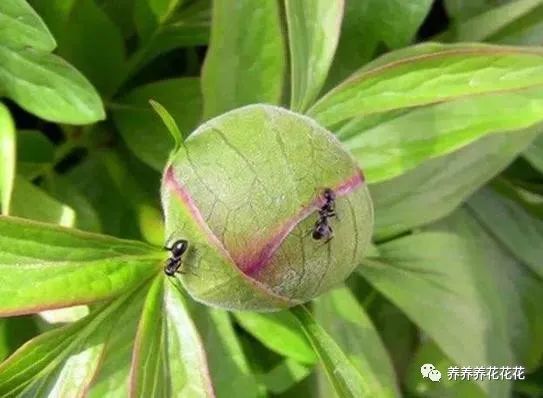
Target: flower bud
[{"x": 245, "y": 191}]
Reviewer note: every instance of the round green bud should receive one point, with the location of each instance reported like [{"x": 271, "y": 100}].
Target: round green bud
[{"x": 245, "y": 191}]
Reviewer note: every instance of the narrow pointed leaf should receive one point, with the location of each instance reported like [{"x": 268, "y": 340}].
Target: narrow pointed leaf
[
  {"x": 170, "y": 123},
  {"x": 7, "y": 160},
  {"x": 401, "y": 142},
  {"x": 313, "y": 30},
  {"x": 113, "y": 376},
  {"x": 438, "y": 186},
  {"x": 140, "y": 127},
  {"x": 462, "y": 9},
  {"x": 230, "y": 370},
  {"x": 168, "y": 358},
  {"x": 47, "y": 86},
  {"x": 62, "y": 362},
  {"x": 343, "y": 375},
  {"x": 245, "y": 60},
  {"x": 21, "y": 26},
  {"x": 450, "y": 73},
  {"x": 345, "y": 320},
  {"x": 485, "y": 25},
  {"x": 44, "y": 267},
  {"x": 526, "y": 30}
]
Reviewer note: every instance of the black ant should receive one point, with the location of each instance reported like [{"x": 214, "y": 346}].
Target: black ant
[
  {"x": 174, "y": 262},
  {"x": 322, "y": 227}
]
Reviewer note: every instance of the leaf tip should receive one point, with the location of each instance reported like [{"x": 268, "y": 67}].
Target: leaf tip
[{"x": 169, "y": 122}]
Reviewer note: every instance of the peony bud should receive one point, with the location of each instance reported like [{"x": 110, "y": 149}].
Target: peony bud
[{"x": 245, "y": 190}]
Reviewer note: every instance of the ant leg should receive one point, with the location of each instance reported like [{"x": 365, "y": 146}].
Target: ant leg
[
  {"x": 191, "y": 272},
  {"x": 330, "y": 235}
]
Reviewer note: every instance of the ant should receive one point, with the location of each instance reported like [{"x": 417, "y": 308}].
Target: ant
[
  {"x": 174, "y": 262},
  {"x": 322, "y": 227}
]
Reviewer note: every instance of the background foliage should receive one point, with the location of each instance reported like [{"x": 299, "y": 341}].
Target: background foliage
[{"x": 441, "y": 102}]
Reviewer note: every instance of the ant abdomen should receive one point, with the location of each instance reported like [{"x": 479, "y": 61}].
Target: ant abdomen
[{"x": 177, "y": 250}]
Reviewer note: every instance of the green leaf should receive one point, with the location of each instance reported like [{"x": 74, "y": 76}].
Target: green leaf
[
  {"x": 443, "y": 75},
  {"x": 343, "y": 375},
  {"x": 392, "y": 322},
  {"x": 44, "y": 267},
  {"x": 62, "y": 362},
  {"x": 89, "y": 40},
  {"x": 511, "y": 292},
  {"x": 92, "y": 179},
  {"x": 279, "y": 332},
  {"x": 370, "y": 23},
  {"x": 151, "y": 17},
  {"x": 313, "y": 31},
  {"x": 345, "y": 320},
  {"x": 400, "y": 142},
  {"x": 48, "y": 87},
  {"x": 31, "y": 202},
  {"x": 436, "y": 187},
  {"x": 145, "y": 134},
  {"x": 184, "y": 24},
  {"x": 14, "y": 332},
  {"x": 486, "y": 24},
  {"x": 86, "y": 216},
  {"x": 534, "y": 153},
  {"x": 230, "y": 371},
  {"x": 516, "y": 22},
  {"x": 20, "y": 26},
  {"x": 35, "y": 153},
  {"x": 462, "y": 9},
  {"x": 245, "y": 60},
  {"x": 114, "y": 187},
  {"x": 169, "y": 122},
  {"x": 161, "y": 8},
  {"x": 519, "y": 192},
  {"x": 169, "y": 358},
  {"x": 435, "y": 278},
  {"x": 429, "y": 352},
  {"x": 121, "y": 13},
  {"x": 112, "y": 378},
  {"x": 284, "y": 376},
  {"x": 526, "y": 30},
  {"x": 151, "y": 224},
  {"x": 516, "y": 229},
  {"x": 395, "y": 22},
  {"x": 7, "y": 161}
]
